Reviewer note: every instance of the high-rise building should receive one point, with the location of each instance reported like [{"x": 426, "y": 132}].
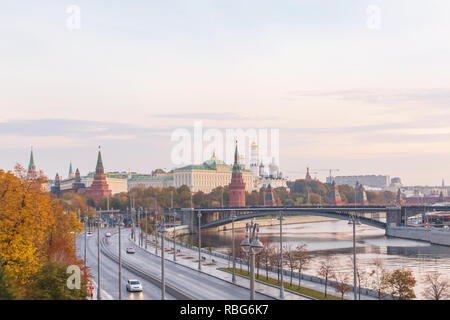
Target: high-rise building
[{"x": 237, "y": 185}]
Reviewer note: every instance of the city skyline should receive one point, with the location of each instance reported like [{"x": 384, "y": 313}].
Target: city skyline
[{"x": 133, "y": 74}]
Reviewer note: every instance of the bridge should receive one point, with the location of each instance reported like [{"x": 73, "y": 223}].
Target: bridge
[{"x": 369, "y": 215}]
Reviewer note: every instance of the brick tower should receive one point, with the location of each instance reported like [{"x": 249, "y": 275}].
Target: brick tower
[
  {"x": 334, "y": 197},
  {"x": 99, "y": 188},
  {"x": 361, "y": 196},
  {"x": 31, "y": 172},
  {"x": 237, "y": 185},
  {"x": 269, "y": 199}
]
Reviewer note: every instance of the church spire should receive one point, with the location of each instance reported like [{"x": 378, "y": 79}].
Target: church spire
[
  {"x": 99, "y": 159},
  {"x": 236, "y": 166},
  {"x": 70, "y": 171},
  {"x": 31, "y": 165}
]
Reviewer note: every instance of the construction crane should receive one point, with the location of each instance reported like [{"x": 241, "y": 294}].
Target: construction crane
[
  {"x": 331, "y": 171},
  {"x": 305, "y": 172}
]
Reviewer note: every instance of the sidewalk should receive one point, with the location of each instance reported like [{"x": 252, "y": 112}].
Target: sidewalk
[{"x": 189, "y": 258}]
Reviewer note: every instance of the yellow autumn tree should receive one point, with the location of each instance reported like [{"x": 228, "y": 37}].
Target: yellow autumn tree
[{"x": 29, "y": 220}]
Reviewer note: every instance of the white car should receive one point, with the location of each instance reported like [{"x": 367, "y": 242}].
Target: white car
[
  {"x": 108, "y": 234},
  {"x": 134, "y": 285},
  {"x": 131, "y": 250}
]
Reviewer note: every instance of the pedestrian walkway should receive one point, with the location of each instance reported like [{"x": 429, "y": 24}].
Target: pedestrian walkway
[{"x": 211, "y": 264}]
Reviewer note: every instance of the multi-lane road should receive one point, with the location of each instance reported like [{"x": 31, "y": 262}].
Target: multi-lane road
[{"x": 182, "y": 282}]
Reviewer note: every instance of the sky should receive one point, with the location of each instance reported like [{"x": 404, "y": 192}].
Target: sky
[{"x": 358, "y": 85}]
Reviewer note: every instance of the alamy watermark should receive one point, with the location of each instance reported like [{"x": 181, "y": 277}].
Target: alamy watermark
[
  {"x": 373, "y": 17},
  {"x": 73, "y": 21},
  {"x": 197, "y": 145},
  {"x": 74, "y": 280}
]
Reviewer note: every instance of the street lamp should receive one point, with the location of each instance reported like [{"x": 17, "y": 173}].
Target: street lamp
[
  {"x": 162, "y": 230},
  {"x": 199, "y": 215},
  {"x": 120, "y": 257},
  {"x": 281, "y": 254},
  {"x": 99, "y": 221},
  {"x": 233, "y": 217},
  {"x": 252, "y": 246},
  {"x": 85, "y": 239},
  {"x": 156, "y": 233},
  {"x": 174, "y": 236},
  {"x": 146, "y": 227},
  {"x": 354, "y": 223}
]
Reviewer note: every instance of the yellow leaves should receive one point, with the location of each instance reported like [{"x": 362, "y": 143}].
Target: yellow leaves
[{"x": 29, "y": 219}]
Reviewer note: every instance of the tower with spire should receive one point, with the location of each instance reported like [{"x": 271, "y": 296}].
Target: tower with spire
[
  {"x": 237, "y": 185},
  {"x": 269, "y": 199},
  {"x": 31, "y": 172},
  {"x": 308, "y": 175},
  {"x": 56, "y": 188},
  {"x": 334, "y": 197},
  {"x": 99, "y": 188},
  {"x": 71, "y": 175},
  {"x": 361, "y": 196}
]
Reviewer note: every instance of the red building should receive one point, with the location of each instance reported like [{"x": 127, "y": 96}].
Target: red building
[
  {"x": 269, "y": 199},
  {"x": 99, "y": 188},
  {"x": 237, "y": 185},
  {"x": 334, "y": 197},
  {"x": 361, "y": 196}
]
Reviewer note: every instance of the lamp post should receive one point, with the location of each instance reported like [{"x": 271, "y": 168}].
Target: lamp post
[
  {"x": 355, "y": 222},
  {"x": 156, "y": 233},
  {"x": 174, "y": 236},
  {"x": 233, "y": 217},
  {"x": 146, "y": 227},
  {"x": 162, "y": 230},
  {"x": 120, "y": 258},
  {"x": 85, "y": 239},
  {"x": 252, "y": 245},
  {"x": 99, "y": 221},
  {"x": 199, "y": 216},
  {"x": 281, "y": 255}
]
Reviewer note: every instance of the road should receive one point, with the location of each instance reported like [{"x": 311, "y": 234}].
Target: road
[
  {"x": 197, "y": 285},
  {"x": 110, "y": 274}
]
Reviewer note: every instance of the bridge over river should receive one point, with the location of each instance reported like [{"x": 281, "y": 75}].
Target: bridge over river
[{"x": 376, "y": 216}]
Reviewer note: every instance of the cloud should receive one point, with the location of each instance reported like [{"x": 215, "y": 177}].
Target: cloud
[{"x": 382, "y": 96}]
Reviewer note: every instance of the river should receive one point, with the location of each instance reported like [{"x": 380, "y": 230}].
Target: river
[{"x": 335, "y": 238}]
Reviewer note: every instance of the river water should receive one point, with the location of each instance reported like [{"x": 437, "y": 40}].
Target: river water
[{"x": 335, "y": 238}]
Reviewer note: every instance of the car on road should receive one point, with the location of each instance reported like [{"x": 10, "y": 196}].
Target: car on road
[
  {"x": 131, "y": 250},
  {"x": 134, "y": 285},
  {"x": 108, "y": 234},
  {"x": 89, "y": 233}
]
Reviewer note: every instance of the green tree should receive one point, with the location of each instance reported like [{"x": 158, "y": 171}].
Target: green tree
[
  {"x": 5, "y": 293},
  {"x": 51, "y": 284}
]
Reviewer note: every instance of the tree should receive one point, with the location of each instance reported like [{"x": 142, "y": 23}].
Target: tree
[
  {"x": 5, "y": 293},
  {"x": 379, "y": 278},
  {"x": 401, "y": 284},
  {"x": 361, "y": 276},
  {"x": 326, "y": 270},
  {"x": 266, "y": 253},
  {"x": 51, "y": 284},
  {"x": 438, "y": 288},
  {"x": 275, "y": 260},
  {"x": 303, "y": 259},
  {"x": 291, "y": 261},
  {"x": 341, "y": 283}
]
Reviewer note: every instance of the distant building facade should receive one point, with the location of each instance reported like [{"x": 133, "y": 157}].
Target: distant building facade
[{"x": 371, "y": 181}]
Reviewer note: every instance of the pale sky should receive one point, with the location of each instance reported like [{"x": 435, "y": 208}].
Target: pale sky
[{"x": 343, "y": 95}]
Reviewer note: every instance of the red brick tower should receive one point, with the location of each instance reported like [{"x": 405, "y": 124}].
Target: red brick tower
[
  {"x": 99, "y": 187},
  {"x": 361, "y": 196},
  {"x": 334, "y": 197},
  {"x": 237, "y": 185},
  {"x": 269, "y": 200}
]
